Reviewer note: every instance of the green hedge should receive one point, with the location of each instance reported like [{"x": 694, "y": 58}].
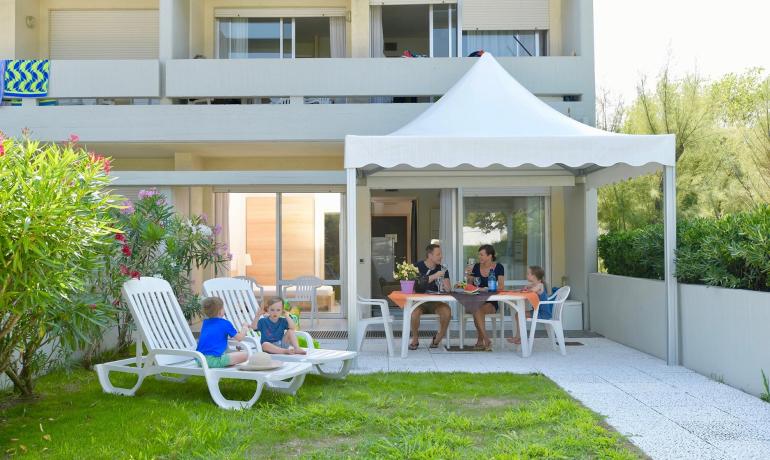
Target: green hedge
[{"x": 732, "y": 252}]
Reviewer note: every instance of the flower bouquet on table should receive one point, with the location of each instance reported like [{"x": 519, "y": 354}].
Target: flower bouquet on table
[{"x": 406, "y": 273}]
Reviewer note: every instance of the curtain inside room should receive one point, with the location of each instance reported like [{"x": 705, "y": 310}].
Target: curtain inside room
[
  {"x": 337, "y": 36},
  {"x": 239, "y": 38},
  {"x": 377, "y": 39}
]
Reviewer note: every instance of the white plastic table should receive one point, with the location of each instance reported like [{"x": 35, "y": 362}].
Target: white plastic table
[{"x": 515, "y": 302}]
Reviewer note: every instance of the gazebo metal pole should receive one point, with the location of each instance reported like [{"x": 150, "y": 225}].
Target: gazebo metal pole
[
  {"x": 669, "y": 248},
  {"x": 352, "y": 256}
]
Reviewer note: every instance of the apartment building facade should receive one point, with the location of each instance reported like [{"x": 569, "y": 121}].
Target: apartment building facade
[{"x": 238, "y": 109}]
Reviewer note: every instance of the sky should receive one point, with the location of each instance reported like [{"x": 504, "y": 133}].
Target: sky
[{"x": 715, "y": 37}]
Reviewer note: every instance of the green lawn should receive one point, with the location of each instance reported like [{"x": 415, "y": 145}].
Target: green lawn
[{"x": 401, "y": 415}]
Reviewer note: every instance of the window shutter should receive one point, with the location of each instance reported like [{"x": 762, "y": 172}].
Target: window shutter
[
  {"x": 505, "y": 14},
  {"x": 103, "y": 34}
]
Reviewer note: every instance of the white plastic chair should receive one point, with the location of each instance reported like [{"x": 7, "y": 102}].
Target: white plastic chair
[
  {"x": 553, "y": 326},
  {"x": 241, "y": 306},
  {"x": 171, "y": 348},
  {"x": 385, "y": 319},
  {"x": 254, "y": 285},
  {"x": 304, "y": 291}
]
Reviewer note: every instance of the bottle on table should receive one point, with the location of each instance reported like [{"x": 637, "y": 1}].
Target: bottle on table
[{"x": 492, "y": 282}]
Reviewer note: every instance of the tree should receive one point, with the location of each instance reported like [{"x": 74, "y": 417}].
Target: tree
[
  {"x": 722, "y": 143},
  {"x": 155, "y": 241},
  {"x": 610, "y": 113},
  {"x": 757, "y": 138},
  {"x": 678, "y": 107}
]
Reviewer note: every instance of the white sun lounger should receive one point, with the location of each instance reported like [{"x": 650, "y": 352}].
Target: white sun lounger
[
  {"x": 241, "y": 306},
  {"x": 171, "y": 349}
]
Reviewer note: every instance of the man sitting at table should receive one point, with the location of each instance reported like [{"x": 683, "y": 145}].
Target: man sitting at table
[{"x": 431, "y": 267}]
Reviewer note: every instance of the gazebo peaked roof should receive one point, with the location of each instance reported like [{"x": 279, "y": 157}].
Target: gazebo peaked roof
[{"x": 488, "y": 118}]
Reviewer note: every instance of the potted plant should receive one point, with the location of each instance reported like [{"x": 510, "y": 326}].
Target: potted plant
[{"x": 406, "y": 273}]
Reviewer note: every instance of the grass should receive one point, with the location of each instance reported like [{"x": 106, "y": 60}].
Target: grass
[{"x": 399, "y": 415}]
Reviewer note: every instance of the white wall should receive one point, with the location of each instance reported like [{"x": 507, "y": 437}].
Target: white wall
[
  {"x": 631, "y": 311},
  {"x": 197, "y": 13},
  {"x": 725, "y": 333},
  {"x": 580, "y": 235},
  {"x": 92, "y": 78},
  {"x": 174, "y": 31},
  {"x": 7, "y": 29},
  {"x": 26, "y": 37}
]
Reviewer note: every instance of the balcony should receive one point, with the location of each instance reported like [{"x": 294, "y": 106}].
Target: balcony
[{"x": 114, "y": 91}]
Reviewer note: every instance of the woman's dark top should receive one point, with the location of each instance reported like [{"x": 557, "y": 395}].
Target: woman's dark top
[{"x": 496, "y": 270}]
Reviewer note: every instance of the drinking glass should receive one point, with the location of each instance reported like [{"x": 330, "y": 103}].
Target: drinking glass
[{"x": 440, "y": 279}]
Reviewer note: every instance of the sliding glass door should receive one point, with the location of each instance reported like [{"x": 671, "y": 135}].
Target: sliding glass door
[
  {"x": 516, "y": 226},
  {"x": 280, "y": 38},
  {"x": 276, "y": 237},
  {"x": 444, "y": 30},
  {"x": 414, "y": 30}
]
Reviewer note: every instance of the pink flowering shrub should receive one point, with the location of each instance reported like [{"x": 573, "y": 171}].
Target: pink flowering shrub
[{"x": 155, "y": 241}]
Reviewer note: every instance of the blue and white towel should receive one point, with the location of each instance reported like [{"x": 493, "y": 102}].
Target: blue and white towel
[{"x": 26, "y": 77}]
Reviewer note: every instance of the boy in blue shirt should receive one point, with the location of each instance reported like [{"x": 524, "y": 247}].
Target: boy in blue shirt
[
  {"x": 276, "y": 329},
  {"x": 214, "y": 334}
]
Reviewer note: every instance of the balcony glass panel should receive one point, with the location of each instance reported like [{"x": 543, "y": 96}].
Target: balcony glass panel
[
  {"x": 242, "y": 38},
  {"x": 405, "y": 28},
  {"x": 312, "y": 38},
  {"x": 288, "y": 26},
  {"x": 441, "y": 30},
  {"x": 504, "y": 43}
]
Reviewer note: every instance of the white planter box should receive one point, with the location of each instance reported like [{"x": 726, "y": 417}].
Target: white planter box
[
  {"x": 572, "y": 315},
  {"x": 725, "y": 333},
  {"x": 631, "y": 311}
]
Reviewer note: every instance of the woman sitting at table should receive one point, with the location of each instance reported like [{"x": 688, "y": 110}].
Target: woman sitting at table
[{"x": 479, "y": 275}]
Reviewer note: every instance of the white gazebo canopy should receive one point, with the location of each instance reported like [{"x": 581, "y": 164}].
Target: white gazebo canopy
[{"x": 487, "y": 118}]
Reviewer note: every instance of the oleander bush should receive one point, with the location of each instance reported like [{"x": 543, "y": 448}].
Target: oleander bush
[
  {"x": 732, "y": 251},
  {"x": 54, "y": 227},
  {"x": 156, "y": 241}
]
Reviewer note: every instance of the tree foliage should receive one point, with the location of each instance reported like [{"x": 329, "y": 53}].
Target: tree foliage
[
  {"x": 54, "y": 227},
  {"x": 722, "y": 131},
  {"x": 732, "y": 251},
  {"x": 155, "y": 241}
]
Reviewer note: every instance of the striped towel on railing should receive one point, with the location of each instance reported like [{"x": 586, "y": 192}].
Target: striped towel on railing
[{"x": 26, "y": 78}]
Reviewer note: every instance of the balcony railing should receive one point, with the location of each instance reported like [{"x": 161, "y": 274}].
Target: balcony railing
[
  {"x": 239, "y": 83},
  {"x": 361, "y": 77},
  {"x": 105, "y": 79}
]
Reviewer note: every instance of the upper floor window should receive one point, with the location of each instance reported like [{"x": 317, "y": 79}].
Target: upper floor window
[
  {"x": 422, "y": 30},
  {"x": 502, "y": 43},
  {"x": 280, "y": 38}
]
